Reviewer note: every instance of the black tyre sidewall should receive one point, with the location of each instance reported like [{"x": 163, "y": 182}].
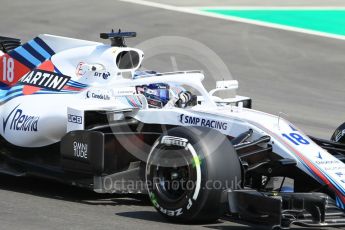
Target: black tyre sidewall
[{"x": 219, "y": 165}]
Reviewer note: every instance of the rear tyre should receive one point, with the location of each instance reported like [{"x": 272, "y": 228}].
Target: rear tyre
[
  {"x": 188, "y": 172},
  {"x": 339, "y": 134}
]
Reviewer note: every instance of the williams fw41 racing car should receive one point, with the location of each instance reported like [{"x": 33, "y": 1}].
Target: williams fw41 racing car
[{"x": 85, "y": 113}]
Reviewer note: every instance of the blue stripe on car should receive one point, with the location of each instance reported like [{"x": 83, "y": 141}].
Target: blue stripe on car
[
  {"x": 39, "y": 49},
  {"x": 13, "y": 95},
  {"x": 75, "y": 83},
  {"x": 4, "y": 86},
  {"x": 25, "y": 54},
  {"x": 13, "y": 91},
  {"x": 44, "y": 46},
  {"x": 33, "y": 52},
  {"x": 14, "y": 54}
]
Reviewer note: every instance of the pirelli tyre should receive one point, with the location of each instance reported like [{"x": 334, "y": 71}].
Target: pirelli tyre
[
  {"x": 339, "y": 134},
  {"x": 188, "y": 172}
]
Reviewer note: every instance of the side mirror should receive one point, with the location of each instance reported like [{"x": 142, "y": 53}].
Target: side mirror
[{"x": 230, "y": 85}]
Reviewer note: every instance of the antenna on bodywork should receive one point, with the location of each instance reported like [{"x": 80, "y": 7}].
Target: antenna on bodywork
[
  {"x": 118, "y": 39},
  {"x": 279, "y": 116}
]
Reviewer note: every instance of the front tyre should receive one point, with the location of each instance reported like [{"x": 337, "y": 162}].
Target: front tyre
[{"x": 188, "y": 171}]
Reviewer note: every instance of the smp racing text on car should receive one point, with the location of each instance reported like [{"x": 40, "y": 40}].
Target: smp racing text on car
[{"x": 197, "y": 121}]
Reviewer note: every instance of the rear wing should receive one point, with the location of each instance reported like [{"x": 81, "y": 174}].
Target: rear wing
[
  {"x": 7, "y": 44},
  {"x": 19, "y": 59}
]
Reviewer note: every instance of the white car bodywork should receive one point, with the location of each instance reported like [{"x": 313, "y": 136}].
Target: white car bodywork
[{"x": 50, "y": 116}]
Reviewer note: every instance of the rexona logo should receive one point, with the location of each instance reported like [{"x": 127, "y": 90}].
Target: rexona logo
[
  {"x": 17, "y": 120},
  {"x": 197, "y": 121},
  {"x": 80, "y": 150},
  {"x": 45, "y": 79}
]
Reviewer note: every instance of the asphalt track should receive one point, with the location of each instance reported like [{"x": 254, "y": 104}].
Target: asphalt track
[{"x": 298, "y": 74}]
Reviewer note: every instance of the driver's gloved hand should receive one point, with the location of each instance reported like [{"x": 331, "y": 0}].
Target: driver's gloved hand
[{"x": 186, "y": 98}]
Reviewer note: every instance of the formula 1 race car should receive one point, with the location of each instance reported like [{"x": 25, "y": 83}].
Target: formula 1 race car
[{"x": 86, "y": 114}]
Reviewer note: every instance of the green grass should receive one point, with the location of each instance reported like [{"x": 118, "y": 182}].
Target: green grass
[{"x": 329, "y": 21}]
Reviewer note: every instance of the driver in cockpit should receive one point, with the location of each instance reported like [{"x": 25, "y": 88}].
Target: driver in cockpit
[{"x": 161, "y": 95}]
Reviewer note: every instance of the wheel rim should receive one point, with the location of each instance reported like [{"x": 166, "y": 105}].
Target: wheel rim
[{"x": 173, "y": 183}]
